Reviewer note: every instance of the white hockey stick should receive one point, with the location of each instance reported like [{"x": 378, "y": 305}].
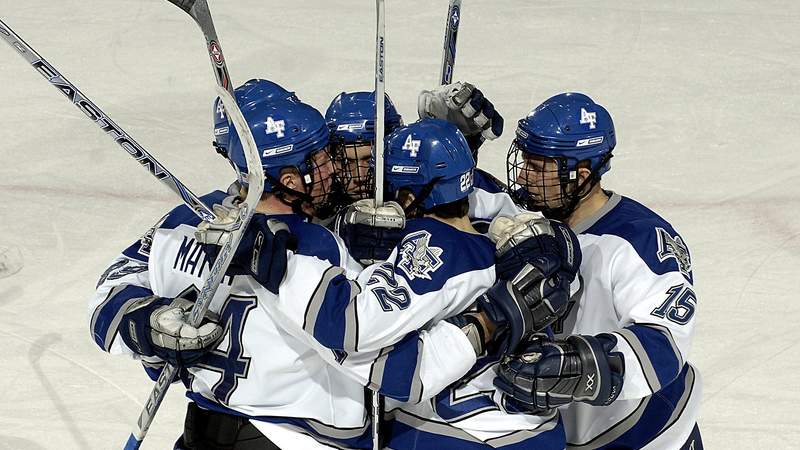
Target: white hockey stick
[
  {"x": 97, "y": 116},
  {"x": 450, "y": 37},
  {"x": 380, "y": 90},
  {"x": 198, "y": 10}
]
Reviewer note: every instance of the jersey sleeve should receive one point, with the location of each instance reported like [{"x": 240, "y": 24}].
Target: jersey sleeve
[
  {"x": 655, "y": 302},
  {"x": 488, "y": 205},
  {"x": 124, "y": 281},
  {"x": 377, "y": 309}
]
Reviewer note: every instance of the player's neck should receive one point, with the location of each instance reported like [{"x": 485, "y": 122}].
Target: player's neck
[
  {"x": 271, "y": 204},
  {"x": 588, "y": 206},
  {"x": 460, "y": 223}
]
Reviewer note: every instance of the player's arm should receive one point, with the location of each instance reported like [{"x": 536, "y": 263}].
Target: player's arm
[
  {"x": 656, "y": 310},
  {"x": 123, "y": 282}
]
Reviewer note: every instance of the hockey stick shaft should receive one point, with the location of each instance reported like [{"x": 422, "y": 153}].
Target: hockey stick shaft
[
  {"x": 198, "y": 10},
  {"x": 380, "y": 92},
  {"x": 450, "y": 38},
  {"x": 96, "y": 115}
]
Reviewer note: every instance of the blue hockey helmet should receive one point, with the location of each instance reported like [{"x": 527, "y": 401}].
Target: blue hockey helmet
[
  {"x": 570, "y": 130},
  {"x": 351, "y": 117},
  {"x": 255, "y": 90},
  {"x": 288, "y": 134},
  {"x": 432, "y": 159}
]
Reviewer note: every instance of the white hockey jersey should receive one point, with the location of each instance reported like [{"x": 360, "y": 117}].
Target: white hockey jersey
[
  {"x": 435, "y": 272},
  {"x": 264, "y": 368},
  {"x": 637, "y": 276}
]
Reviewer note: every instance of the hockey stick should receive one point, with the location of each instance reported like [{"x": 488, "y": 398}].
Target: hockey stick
[
  {"x": 198, "y": 10},
  {"x": 96, "y": 115},
  {"x": 380, "y": 90},
  {"x": 450, "y": 37},
  {"x": 380, "y": 105}
]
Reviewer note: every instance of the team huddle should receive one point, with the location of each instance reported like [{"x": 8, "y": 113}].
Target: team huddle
[{"x": 542, "y": 313}]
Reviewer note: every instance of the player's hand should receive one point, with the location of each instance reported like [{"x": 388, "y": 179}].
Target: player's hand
[
  {"x": 465, "y": 106},
  {"x": 371, "y": 233},
  {"x": 261, "y": 252},
  {"x": 158, "y": 326},
  {"x": 545, "y": 374}
]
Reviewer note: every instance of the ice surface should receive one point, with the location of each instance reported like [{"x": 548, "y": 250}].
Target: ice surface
[{"x": 705, "y": 96}]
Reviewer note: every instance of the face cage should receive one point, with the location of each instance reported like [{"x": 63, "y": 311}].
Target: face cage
[
  {"x": 554, "y": 192},
  {"x": 356, "y": 176},
  {"x": 322, "y": 173}
]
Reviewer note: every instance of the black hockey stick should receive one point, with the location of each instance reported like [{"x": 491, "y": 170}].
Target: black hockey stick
[
  {"x": 450, "y": 37},
  {"x": 96, "y": 115},
  {"x": 198, "y": 10}
]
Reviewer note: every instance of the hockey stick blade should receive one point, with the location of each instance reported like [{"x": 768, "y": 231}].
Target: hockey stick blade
[
  {"x": 255, "y": 179},
  {"x": 450, "y": 38},
  {"x": 96, "y": 115}
]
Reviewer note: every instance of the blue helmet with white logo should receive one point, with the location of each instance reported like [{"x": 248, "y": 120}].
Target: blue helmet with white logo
[
  {"x": 565, "y": 133},
  {"x": 570, "y": 126},
  {"x": 351, "y": 117},
  {"x": 430, "y": 158},
  {"x": 253, "y": 91},
  {"x": 287, "y": 134}
]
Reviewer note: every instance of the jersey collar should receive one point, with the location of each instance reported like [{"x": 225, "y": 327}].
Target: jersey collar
[{"x": 587, "y": 223}]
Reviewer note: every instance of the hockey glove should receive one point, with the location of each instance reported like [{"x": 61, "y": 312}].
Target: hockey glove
[
  {"x": 261, "y": 252},
  {"x": 463, "y": 105},
  {"x": 157, "y": 326},
  {"x": 546, "y": 374},
  {"x": 371, "y": 233}
]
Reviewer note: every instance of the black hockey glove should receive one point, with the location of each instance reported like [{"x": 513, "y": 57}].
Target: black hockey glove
[
  {"x": 545, "y": 374},
  {"x": 370, "y": 233},
  {"x": 261, "y": 252},
  {"x": 157, "y": 326}
]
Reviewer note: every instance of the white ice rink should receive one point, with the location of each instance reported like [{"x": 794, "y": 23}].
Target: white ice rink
[{"x": 705, "y": 96}]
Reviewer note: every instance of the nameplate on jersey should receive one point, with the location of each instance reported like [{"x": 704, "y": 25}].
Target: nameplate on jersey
[
  {"x": 418, "y": 259},
  {"x": 673, "y": 247}
]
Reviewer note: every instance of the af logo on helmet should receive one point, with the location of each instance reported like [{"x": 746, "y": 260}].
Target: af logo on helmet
[
  {"x": 589, "y": 117},
  {"x": 412, "y": 145},
  {"x": 275, "y": 126}
]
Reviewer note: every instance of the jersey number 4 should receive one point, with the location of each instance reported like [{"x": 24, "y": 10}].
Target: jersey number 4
[
  {"x": 679, "y": 306},
  {"x": 230, "y": 360}
]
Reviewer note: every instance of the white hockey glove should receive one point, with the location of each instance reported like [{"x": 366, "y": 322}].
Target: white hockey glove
[
  {"x": 463, "y": 105},
  {"x": 158, "y": 326},
  {"x": 371, "y": 233}
]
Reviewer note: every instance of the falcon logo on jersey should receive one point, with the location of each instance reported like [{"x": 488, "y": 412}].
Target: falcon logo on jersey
[
  {"x": 412, "y": 145},
  {"x": 351, "y": 127},
  {"x": 589, "y": 118},
  {"x": 275, "y": 126},
  {"x": 673, "y": 247},
  {"x": 417, "y": 258},
  {"x": 121, "y": 268}
]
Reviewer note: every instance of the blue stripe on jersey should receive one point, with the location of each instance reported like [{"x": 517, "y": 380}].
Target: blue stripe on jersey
[
  {"x": 405, "y": 437},
  {"x": 330, "y": 326},
  {"x": 362, "y": 437},
  {"x": 659, "y": 409},
  {"x": 400, "y": 369},
  {"x": 110, "y": 312},
  {"x": 485, "y": 181},
  {"x": 640, "y": 226},
  {"x": 312, "y": 239},
  {"x": 659, "y": 351},
  {"x": 133, "y": 252},
  {"x": 450, "y": 252}
]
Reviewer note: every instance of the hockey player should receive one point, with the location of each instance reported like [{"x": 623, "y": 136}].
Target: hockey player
[
  {"x": 638, "y": 296},
  {"x": 251, "y": 377},
  {"x": 436, "y": 272}
]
